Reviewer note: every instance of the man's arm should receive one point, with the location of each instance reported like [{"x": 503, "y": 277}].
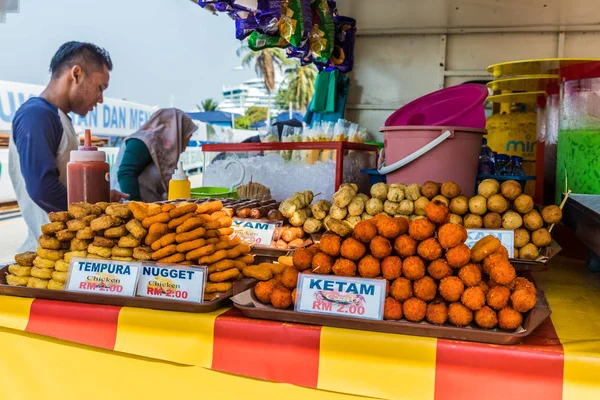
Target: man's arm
[{"x": 37, "y": 137}]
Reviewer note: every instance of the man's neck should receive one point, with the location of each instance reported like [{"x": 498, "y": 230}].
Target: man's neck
[{"x": 57, "y": 96}]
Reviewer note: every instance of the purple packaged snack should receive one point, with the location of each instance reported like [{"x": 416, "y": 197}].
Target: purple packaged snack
[
  {"x": 245, "y": 27},
  {"x": 342, "y": 57}
]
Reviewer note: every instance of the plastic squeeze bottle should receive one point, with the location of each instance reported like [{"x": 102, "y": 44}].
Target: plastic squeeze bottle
[
  {"x": 179, "y": 185},
  {"x": 88, "y": 174}
]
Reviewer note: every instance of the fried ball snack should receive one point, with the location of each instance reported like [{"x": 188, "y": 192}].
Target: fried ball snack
[
  {"x": 53, "y": 227},
  {"x": 391, "y": 267},
  {"x": 380, "y": 247},
  {"x": 42, "y": 273},
  {"x": 50, "y": 254},
  {"x": 414, "y": 309},
  {"x": 122, "y": 251},
  {"x": 135, "y": 228},
  {"x": 484, "y": 247},
  {"x": 492, "y": 259},
  {"x": 64, "y": 236},
  {"x": 459, "y": 315},
  {"x": 344, "y": 267},
  {"x": 191, "y": 235},
  {"x": 437, "y": 312},
  {"x": 391, "y": 228},
  {"x": 425, "y": 288},
  {"x": 486, "y": 318},
  {"x": 521, "y": 283},
  {"x": 470, "y": 274},
  {"x": 392, "y": 309},
  {"x": 473, "y": 298},
  {"x": 451, "y": 288},
  {"x": 263, "y": 291},
  {"x": 509, "y": 319},
  {"x": 364, "y": 232},
  {"x": 369, "y": 267},
  {"x": 56, "y": 285},
  {"x": 492, "y": 221},
  {"x": 458, "y": 256},
  {"x": 437, "y": 212},
  {"x": 201, "y": 252},
  {"x": 59, "y": 216},
  {"x": 450, "y": 189},
  {"x": 413, "y": 268},
  {"x": 172, "y": 259},
  {"x": 405, "y": 246},
  {"x": 523, "y": 300},
  {"x": 80, "y": 210},
  {"x": 551, "y": 214},
  {"x": 503, "y": 272},
  {"x": 260, "y": 272},
  {"x": 289, "y": 278},
  {"x": 104, "y": 222},
  {"x": 302, "y": 258},
  {"x": 322, "y": 264},
  {"x": 439, "y": 269},
  {"x": 451, "y": 235},
  {"x": 129, "y": 241},
  {"x": 161, "y": 253},
  {"x": 59, "y": 276},
  {"x": 429, "y": 249},
  {"x": 13, "y": 280},
  {"x": 104, "y": 252},
  {"x": 421, "y": 229},
  {"x": 76, "y": 253},
  {"x": 472, "y": 221},
  {"x": 19, "y": 270},
  {"x": 118, "y": 211},
  {"x": 484, "y": 286},
  {"x": 26, "y": 259},
  {"x": 497, "y": 297},
  {"x": 103, "y": 242},
  {"x": 220, "y": 287},
  {"x": 61, "y": 266},
  {"x": 281, "y": 298},
  {"x": 184, "y": 247},
  {"x": 352, "y": 249},
  {"x": 331, "y": 244},
  {"x": 401, "y": 289}
]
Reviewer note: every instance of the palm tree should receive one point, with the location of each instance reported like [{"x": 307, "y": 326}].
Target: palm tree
[
  {"x": 265, "y": 61},
  {"x": 208, "y": 105},
  {"x": 301, "y": 85}
]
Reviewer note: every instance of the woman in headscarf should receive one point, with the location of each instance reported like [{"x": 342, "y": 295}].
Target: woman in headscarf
[{"x": 148, "y": 158}]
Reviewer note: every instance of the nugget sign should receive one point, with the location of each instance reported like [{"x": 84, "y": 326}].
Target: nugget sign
[
  {"x": 108, "y": 277},
  {"x": 172, "y": 283},
  {"x": 506, "y": 237},
  {"x": 341, "y": 296},
  {"x": 254, "y": 233}
]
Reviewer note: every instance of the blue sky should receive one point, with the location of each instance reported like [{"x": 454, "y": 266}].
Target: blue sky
[{"x": 160, "y": 48}]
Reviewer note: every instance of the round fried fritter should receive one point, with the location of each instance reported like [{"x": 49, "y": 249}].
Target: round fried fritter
[
  {"x": 19, "y": 270},
  {"x": 451, "y": 288},
  {"x": 391, "y": 228},
  {"x": 392, "y": 309},
  {"x": 331, "y": 244},
  {"x": 289, "y": 278},
  {"x": 473, "y": 298},
  {"x": 405, "y": 246},
  {"x": 380, "y": 247},
  {"x": 53, "y": 227},
  {"x": 322, "y": 264},
  {"x": 523, "y": 283},
  {"x": 281, "y": 298},
  {"x": 439, "y": 269},
  {"x": 369, "y": 267},
  {"x": 344, "y": 267},
  {"x": 523, "y": 300},
  {"x": 484, "y": 247},
  {"x": 122, "y": 252},
  {"x": 65, "y": 236},
  {"x": 413, "y": 268},
  {"x": 26, "y": 259},
  {"x": 142, "y": 253},
  {"x": 437, "y": 212},
  {"x": 425, "y": 288},
  {"x": 437, "y": 312},
  {"x": 50, "y": 254},
  {"x": 459, "y": 315},
  {"x": 352, "y": 249},
  {"x": 401, "y": 289},
  {"x": 263, "y": 291},
  {"x": 458, "y": 256},
  {"x": 509, "y": 319},
  {"x": 391, "y": 267},
  {"x": 503, "y": 272},
  {"x": 364, "y": 232},
  {"x": 430, "y": 249},
  {"x": 116, "y": 232},
  {"x": 414, "y": 309},
  {"x": 119, "y": 211},
  {"x": 302, "y": 259},
  {"x": 497, "y": 297},
  {"x": 470, "y": 274},
  {"x": 80, "y": 210},
  {"x": 421, "y": 229},
  {"x": 451, "y": 235},
  {"x": 103, "y": 242},
  {"x": 486, "y": 318}
]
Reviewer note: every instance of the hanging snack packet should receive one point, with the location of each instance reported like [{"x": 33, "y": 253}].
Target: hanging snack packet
[
  {"x": 342, "y": 57},
  {"x": 322, "y": 33}
]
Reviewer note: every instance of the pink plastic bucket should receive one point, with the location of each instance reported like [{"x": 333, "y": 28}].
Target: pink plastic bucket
[
  {"x": 433, "y": 153},
  {"x": 461, "y": 105}
]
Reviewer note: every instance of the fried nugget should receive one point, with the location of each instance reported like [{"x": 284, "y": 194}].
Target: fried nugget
[
  {"x": 473, "y": 298},
  {"x": 162, "y": 218},
  {"x": 168, "y": 239},
  {"x": 13, "y": 280},
  {"x": 330, "y": 244},
  {"x": 246, "y": 259},
  {"x": 103, "y": 242},
  {"x": 51, "y": 228},
  {"x": 176, "y": 222},
  {"x": 260, "y": 272},
  {"x": 135, "y": 228},
  {"x": 75, "y": 225},
  {"x": 74, "y": 254},
  {"x": 263, "y": 291},
  {"x": 392, "y": 309},
  {"x": 391, "y": 267},
  {"x": 459, "y": 315},
  {"x": 322, "y": 264},
  {"x": 281, "y": 298},
  {"x": 61, "y": 266},
  {"x": 201, "y": 252},
  {"x": 104, "y": 222},
  {"x": 173, "y": 259},
  {"x": 209, "y": 207},
  {"x": 414, "y": 309},
  {"x": 380, "y": 247},
  {"x": 154, "y": 209},
  {"x": 85, "y": 234},
  {"x": 37, "y": 283},
  {"x": 429, "y": 249},
  {"x": 451, "y": 235},
  {"x": 344, "y": 267},
  {"x": 41, "y": 262},
  {"x": 401, "y": 289},
  {"x": 80, "y": 210},
  {"x": 220, "y": 287},
  {"x": 142, "y": 253},
  {"x": 59, "y": 216},
  {"x": 439, "y": 269},
  {"x": 118, "y": 211},
  {"x": 405, "y": 246},
  {"x": 167, "y": 207},
  {"x": 194, "y": 223},
  {"x": 162, "y": 253},
  {"x": 497, "y": 297},
  {"x": 26, "y": 259},
  {"x": 470, "y": 274},
  {"x": 56, "y": 285},
  {"x": 104, "y": 252},
  {"x": 364, "y": 232},
  {"x": 122, "y": 251},
  {"x": 425, "y": 288},
  {"x": 191, "y": 235},
  {"x": 458, "y": 256},
  {"x": 50, "y": 254},
  {"x": 451, "y": 288},
  {"x": 236, "y": 251},
  {"x": 437, "y": 312},
  {"x": 413, "y": 268},
  {"x": 116, "y": 232},
  {"x": 19, "y": 270},
  {"x": 503, "y": 272},
  {"x": 60, "y": 277},
  {"x": 523, "y": 300},
  {"x": 139, "y": 210},
  {"x": 421, "y": 229},
  {"x": 183, "y": 209},
  {"x": 224, "y": 265},
  {"x": 213, "y": 258},
  {"x": 42, "y": 273},
  {"x": 484, "y": 247},
  {"x": 352, "y": 249},
  {"x": 228, "y": 244},
  {"x": 302, "y": 259},
  {"x": 129, "y": 241},
  {"x": 509, "y": 319},
  {"x": 64, "y": 236}
]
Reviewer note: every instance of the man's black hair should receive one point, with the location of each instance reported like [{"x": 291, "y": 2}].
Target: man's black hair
[{"x": 82, "y": 54}]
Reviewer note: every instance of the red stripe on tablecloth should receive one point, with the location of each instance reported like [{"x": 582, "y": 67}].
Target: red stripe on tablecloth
[
  {"x": 533, "y": 370},
  {"x": 273, "y": 351},
  {"x": 90, "y": 324}
]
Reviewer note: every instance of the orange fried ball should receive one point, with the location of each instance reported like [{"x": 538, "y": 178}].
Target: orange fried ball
[
  {"x": 439, "y": 269},
  {"x": 429, "y": 249},
  {"x": 523, "y": 300},
  {"x": 484, "y": 286},
  {"x": 369, "y": 267},
  {"x": 414, "y": 309},
  {"x": 391, "y": 267},
  {"x": 352, "y": 249},
  {"x": 459, "y": 315},
  {"x": 392, "y": 309},
  {"x": 502, "y": 251},
  {"x": 413, "y": 268},
  {"x": 330, "y": 244},
  {"x": 281, "y": 298},
  {"x": 391, "y": 228},
  {"x": 437, "y": 212},
  {"x": 491, "y": 260},
  {"x": 322, "y": 264},
  {"x": 451, "y": 235},
  {"x": 421, "y": 229},
  {"x": 503, "y": 273},
  {"x": 473, "y": 298},
  {"x": 522, "y": 283},
  {"x": 470, "y": 274},
  {"x": 289, "y": 278},
  {"x": 486, "y": 318},
  {"x": 497, "y": 297},
  {"x": 401, "y": 289},
  {"x": 364, "y": 231},
  {"x": 425, "y": 288},
  {"x": 509, "y": 319},
  {"x": 263, "y": 290},
  {"x": 344, "y": 267},
  {"x": 451, "y": 288},
  {"x": 294, "y": 296},
  {"x": 302, "y": 259},
  {"x": 437, "y": 312},
  {"x": 380, "y": 247},
  {"x": 458, "y": 256},
  {"x": 405, "y": 246}
]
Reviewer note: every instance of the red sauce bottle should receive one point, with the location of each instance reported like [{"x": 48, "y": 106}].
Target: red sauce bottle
[{"x": 88, "y": 174}]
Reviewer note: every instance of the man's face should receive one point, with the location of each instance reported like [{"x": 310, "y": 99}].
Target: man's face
[{"x": 87, "y": 88}]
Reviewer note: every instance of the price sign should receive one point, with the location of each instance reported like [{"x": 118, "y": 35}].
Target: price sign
[
  {"x": 172, "y": 282},
  {"x": 116, "y": 278},
  {"x": 341, "y": 296},
  {"x": 254, "y": 233},
  {"x": 506, "y": 237}
]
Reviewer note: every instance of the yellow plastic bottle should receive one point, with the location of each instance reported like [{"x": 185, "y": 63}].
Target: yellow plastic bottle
[{"x": 179, "y": 185}]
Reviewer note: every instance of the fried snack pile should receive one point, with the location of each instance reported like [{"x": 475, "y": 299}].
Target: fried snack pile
[{"x": 431, "y": 274}]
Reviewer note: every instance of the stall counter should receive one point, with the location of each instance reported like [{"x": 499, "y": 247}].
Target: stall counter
[{"x": 75, "y": 350}]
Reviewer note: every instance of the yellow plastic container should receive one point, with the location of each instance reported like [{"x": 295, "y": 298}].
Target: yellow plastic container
[{"x": 179, "y": 185}]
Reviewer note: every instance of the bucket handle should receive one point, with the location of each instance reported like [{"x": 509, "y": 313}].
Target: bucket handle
[
  {"x": 411, "y": 157},
  {"x": 242, "y": 176}
]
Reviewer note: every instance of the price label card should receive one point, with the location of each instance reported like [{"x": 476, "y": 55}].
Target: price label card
[
  {"x": 341, "y": 296},
  {"x": 506, "y": 237},
  {"x": 172, "y": 282},
  {"x": 108, "y": 277},
  {"x": 254, "y": 233}
]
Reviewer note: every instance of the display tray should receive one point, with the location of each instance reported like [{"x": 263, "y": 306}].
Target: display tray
[
  {"x": 140, "y": 302},
  {"x": 250, "y": 307},
  {"x": 539, "y": 264}
]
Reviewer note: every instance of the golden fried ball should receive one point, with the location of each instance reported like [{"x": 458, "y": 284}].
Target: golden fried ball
[
  {"x": 511, "y": 189},
  {"x": 458, "y": 256},
  {"x": 289, "y": 278},
  {"x": 451, "y": 288},
  {"x": 551, "y": 214},
  {"x": 344, "y": 267},
  {"x": 302, "y": 259},
  {"x": 437, "y": 212},
  {"x": 523, "y": 300},
  {"x": 478, "y": 205},
  {"x": 450, "y": 189},
  {"x": 430, "y": 189},
  {"x": 380, "y": 247},
  {"x": 497, "y": 297},
  {"x": 414, "y": 309},
  {"x": 281, "y": 297},
  {"x": 263, "y": 290},
  {"x": 391, "y": 228},
  {"x": 497, "y": 203},
  {"x": 473, "y": 298},
  {"x": 490, "y": 260},
  {"x": 364, "y": 231},
  {"x": 521, "y": 237},
  {"x": 439, "y": 269},
  {"x": 472, "y": 221},
  {"x": 405, "y": 246},
  {"x": 459, "y": 205},
  {"x": 488, "y": 187},
  {"x": 484, "y": 286},
  {"x": 492, "y": 220},
  {"x": 437, "y": 312},
  {"x": 455, "y": 219},
  {"x": 429, "y": 249},
  {"x": 421, "y": 229},
  {"x": 486, "y": 318},
  {"x": 521, "y": 283},
  {"x": 509, "y": 319},
  {"x": 401, "y": 289},
  {"x": 413, "y": 268},
  {"x": 322, "y": 264},
  {"x": 533, "y": 220},
  {"x": 352, "y": 249},
  {"x": 441, "y": 198},
  {"x": 523, "y": 204},
  {"x": 470, "y": 274},
  {"x": 451, "y": 235},
  {"x": 391, "y": 267},
  {"x": 459, "y": 315},
  {"x": 330, "y": 244},
  {"x": 425, "y": 288},
  {"x": 369, "y": 267},
  {"x": 503, "y": 272},
  {"x": 529, "y": 252},
  {"x": 392, "y": 309},
  {"x": 541, "y": 237}
]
